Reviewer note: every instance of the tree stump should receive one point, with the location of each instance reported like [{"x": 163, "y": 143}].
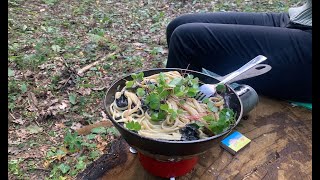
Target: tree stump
[{"x": 281, "y": 148}]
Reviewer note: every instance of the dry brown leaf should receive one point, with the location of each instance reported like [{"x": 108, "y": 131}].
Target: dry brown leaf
[
  {"x": 60, "y": 125},
  {"x": 18, "y": 121},
  {"x": 63, "y": 106},
  {"x": 104, "y": 116},
  {"x": 101, "y": 147},
  {"x": 14, "y": 150},
  {"x": 84, "y": 91},
  {"x": 46, "y": 164},
  {"x": 75, "y": 126},
  {"x": 102, "y": 144},
  {"x": 33, "y": 98},
  {"x": 22, "y": 133}
]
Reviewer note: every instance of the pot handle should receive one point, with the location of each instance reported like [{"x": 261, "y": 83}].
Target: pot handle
[{"x": 253, "y": 72}]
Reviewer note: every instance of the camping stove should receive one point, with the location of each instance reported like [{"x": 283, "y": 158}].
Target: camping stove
[{"x": 174, "y": 167}]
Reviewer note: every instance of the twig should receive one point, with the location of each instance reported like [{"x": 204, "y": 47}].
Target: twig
[
  {"x": 87, "y": 67},
  {"x": 42, "y": 169},
  {"x": 12, "y": 116}
]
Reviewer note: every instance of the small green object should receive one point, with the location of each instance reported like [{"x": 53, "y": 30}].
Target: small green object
[
  {"x": 73, "y": 98},
  {"x": 99, "y": 130},
  {"x": 221, "y": 88},
  {"x": 135, "y": 126},
  {"x": 64, "y": 168}
]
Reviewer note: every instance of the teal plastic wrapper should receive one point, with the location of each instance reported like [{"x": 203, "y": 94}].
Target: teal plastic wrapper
[{"x": 304, "y": 105}]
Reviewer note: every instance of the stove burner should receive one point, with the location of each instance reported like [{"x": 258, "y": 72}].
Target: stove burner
[{"x": 167, "y": 169}]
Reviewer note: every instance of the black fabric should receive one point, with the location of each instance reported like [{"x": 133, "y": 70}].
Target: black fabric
[{"x": 223, "y": 42}]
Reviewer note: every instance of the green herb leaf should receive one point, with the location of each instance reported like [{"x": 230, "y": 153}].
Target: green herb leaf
[
  {"x": 162, "y": 79},
  {"x": 205, "y": 100},
  {"x": 80, "y": 165},
  {"x": 212, "y": 107},
  {"x": 221, "y": 88},
  {"x": 23, "y": 88},
  {"x": 56, "y": 48},
  {"x": 151, "y": 86},
  {"x": 164, "y": 94},
  {"x": 179, "y": 91},
  {"x": 72, "y": 98},
  {"x": 113, "y": 130},
  {"x": 192, "y": 92},
  {"x": 208, "y": 118},
  {"x": 217, "y": 127},
  {"x": 140, "y": 92},
  {"x": 94, "y": 154},
  {"x": 164, "y": 107},
  {"x": 226, "y": 117},
  {"x": 134, "y": 126},
  {"x": 10, "y": 72},
  {"x": 72, "y": 141},
  {"x": 99, "y": 130},
  {"x": 129, "y": 84},
  {"x": 138, "y": 76},
  {"x": 175, "y": 82},
  {"x": 90, "y": 136},
  {"x": 153, "y": 100},
  {"x": 64, "y": 168},
  {"x": 227, "y": 114},
  {"x": 158, "y": 116}
]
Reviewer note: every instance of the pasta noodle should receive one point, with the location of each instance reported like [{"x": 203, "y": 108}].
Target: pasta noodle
[{"x": 180, "y": 110}]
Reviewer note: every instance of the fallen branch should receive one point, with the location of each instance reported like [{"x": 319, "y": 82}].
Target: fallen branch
[{"x": 87, "y": 67}]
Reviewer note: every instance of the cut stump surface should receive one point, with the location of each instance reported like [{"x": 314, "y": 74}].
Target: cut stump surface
[{"x": 281, "y": 148}]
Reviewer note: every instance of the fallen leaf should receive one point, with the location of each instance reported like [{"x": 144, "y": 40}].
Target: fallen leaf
[
  {"x": 104, "y": 115},
  {"x": 14, "y": 150},
  {"x": 60, "y": 125},
  {"x": 34, "y": 129},
  {"x": 33, "y": 98},
  {"x": 101, "y": 147},
  {"x": 18, "y": 121},
  {"x": 73, "y": 98},
  {"x": 56, "y": 48},
  {"x": 10, "y": 72},
  {"x": 63, "y": 106},
  {"x": 76, "y": 126},
  {"x": 46, "y": 164},
  {"x": 84, "y": 91},
  {"x": 23, "y": 88},
  {"x": 22, "y": 133}
]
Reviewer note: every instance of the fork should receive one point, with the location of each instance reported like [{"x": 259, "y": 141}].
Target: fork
[{"x": 207, "y": 90}]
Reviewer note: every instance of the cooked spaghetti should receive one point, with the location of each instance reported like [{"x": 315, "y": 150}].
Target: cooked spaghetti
[{"x": 162, "y": 106}]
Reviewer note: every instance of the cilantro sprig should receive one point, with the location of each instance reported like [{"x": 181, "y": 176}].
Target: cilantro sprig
[
  {"x": 135, "y": 78},
  {"x": 134, "y": 126},
  {"x": 226, "y": 118}
]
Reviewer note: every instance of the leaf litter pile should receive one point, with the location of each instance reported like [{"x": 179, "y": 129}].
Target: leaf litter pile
[{"x": 63, "y": 55}]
